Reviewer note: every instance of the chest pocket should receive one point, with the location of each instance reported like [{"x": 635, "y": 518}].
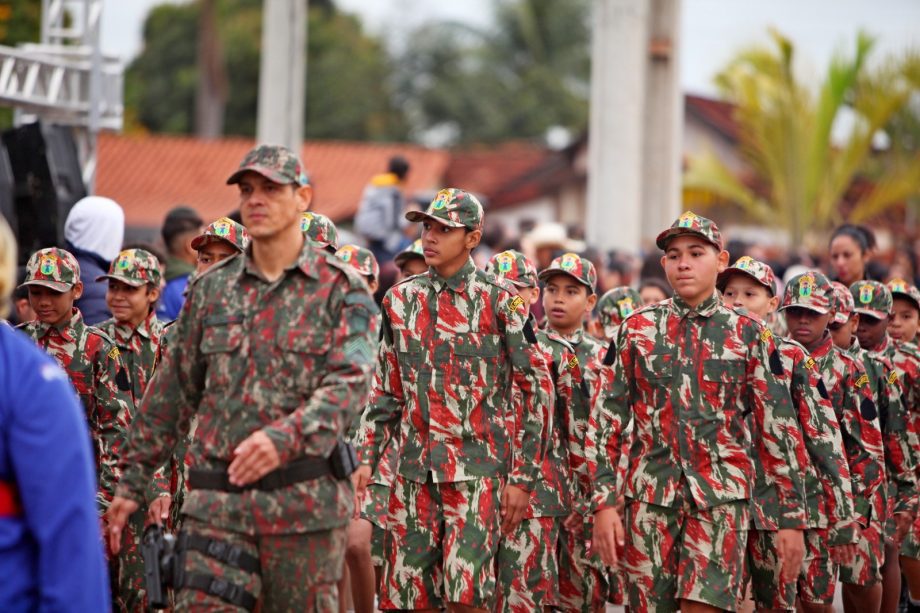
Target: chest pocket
[
  {"x": 655, "y": 378},
  {"x": 304, "y": 351},
  {"x": 476, "y": 358},
  {"x": 408, "y": 354},
  {"x": 722, "y": 383},
  {"x": 221, "y": 334}
]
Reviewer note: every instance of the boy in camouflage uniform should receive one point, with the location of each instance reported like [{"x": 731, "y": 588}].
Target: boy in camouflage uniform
[
  {"x": 809, "y": 306},
  {"x": 320, "y": 230},
  {"x": 528, "y": 574},
  {"x": 688, "y": 372},
  {"x": 612, "y": 308},
  {"x": 271, "y": 353},
  {"x": 134, "y": 287},
  {"x": 896, "y": 508},
  {"x": 751, "y": 285},
  {"x": 452, "y": 341},
  {"x": 411, "y": 260},
  {"x": 222, "y": 239}
]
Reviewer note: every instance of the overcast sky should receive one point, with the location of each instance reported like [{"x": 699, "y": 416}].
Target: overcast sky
[{"x": 712, "y": 30}]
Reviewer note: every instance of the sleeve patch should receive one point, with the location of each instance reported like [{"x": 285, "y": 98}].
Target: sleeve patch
[
  {"x": 114, "y": 353},
  {"x": 776, "y": 363},
  {"x": 862, "y": 381},
  {"x": 810, "y": 363},
  {"x": 766, "y": 335},
  {"x": 867, "y": 409},
  {"x": 573, "y": 363},
  {"x": 515, "y": 303},
  {"x": 611, "y": 356},
  {"x": 893, "y": 377}
]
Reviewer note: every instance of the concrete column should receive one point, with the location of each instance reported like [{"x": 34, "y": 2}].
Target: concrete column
[
  {"x": 617, "y": 121},
  {"x": 282, "y": 76}
]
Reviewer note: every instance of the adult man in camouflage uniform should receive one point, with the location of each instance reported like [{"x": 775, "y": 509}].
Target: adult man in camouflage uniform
[
  {"x": 271, "y": 353},
  {"x": 453, "y": 340},
  {"x": 688, "y": 371},
  {"x": 134, "y": 286},
  {"x": 808, "y": 304},
  {"x": 750, "y": 284}
]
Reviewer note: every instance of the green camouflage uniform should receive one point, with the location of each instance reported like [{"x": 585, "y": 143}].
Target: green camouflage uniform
[
  {"x": 694, "y": 380},
  {"x": 226, "y": 230},
  {"x": 320, "y": 229},
  {"x": 289, "y": 358},
  {"x": 449, "y": 351},
  {"x": 615, "y": 306},
  {"x": 413, "y": 251}
]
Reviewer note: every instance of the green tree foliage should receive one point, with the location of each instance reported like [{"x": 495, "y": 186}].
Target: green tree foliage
[
  {"x": 527, "y": 73},
  {"x": 20, "y": 22},
  {"x": 801, "y": 174},
  {"x": 347, "y": 91}
]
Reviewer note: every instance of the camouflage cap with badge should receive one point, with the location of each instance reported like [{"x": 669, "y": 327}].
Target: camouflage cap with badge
[
  {"x": 135, "y": 267},
  {"x": 320, "y": 229},
  {"x": 452, "y": 207},
  {"x": 810, "y": 290},
  {"x": 757, "y": 270},
  {"x": 513, "y": 266},
  {"x": 53, "y": 268},
  {"x": 843, "y": 303},
  {"x": 361, "y": 259},
  {"x": 872, "y": 298},
  {"x": 691, "y": 224},
  {"x": 415, "y": 250},
  {"x": 224, "y": 229},
  {"x": 615, "y": 306},
  {"x": 903, "y": 289},
  {"x": 571, "y": 264},
  {"x": 273, "y": 162}
]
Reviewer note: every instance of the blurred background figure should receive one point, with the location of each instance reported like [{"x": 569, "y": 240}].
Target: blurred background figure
[
  {"x": 381, "y": 215},
  {"x": 94, "y": 231},
  {"x": 181, "y": 226}
]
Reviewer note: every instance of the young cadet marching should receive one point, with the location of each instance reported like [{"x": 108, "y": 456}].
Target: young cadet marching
[
  {"x": 750, "y": 284},
  {"x": 320, "y": 229},
  {"x": 411, "y": 260},
  {"x": 612, "y": 308},
  {"x": 809, "y": 306},
  {"x": 452, "y": 341},
  {"x": 569, "y": 297},
  {"x": 877, "y": 572},
  {"x": 133, "y": 290},
  {"x": 688, "y": 372},
  {"x": 527, "y": 568},
  {"x": 270, "y": 353},
  {"x": 364, "y": 549}
]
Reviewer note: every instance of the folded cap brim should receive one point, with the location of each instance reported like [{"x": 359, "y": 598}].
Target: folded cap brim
[
  {"x": 872, "y": 313},
  {"x": 55, "y": 285},
  {"x": 665, "y": 237},
  {"x": 268, "y": 173},
  {"x": 125, "y": 280},
  {"x": 552, "y": 272},
  {"x": 419, "y": 216},
  {"x": 722, "y": 279},
  {"x": 203, "y": 239},
  {"x": 841, "y": 318},
  {"x": 818, "y": 310},
  {"x": 402, "y": 258}
]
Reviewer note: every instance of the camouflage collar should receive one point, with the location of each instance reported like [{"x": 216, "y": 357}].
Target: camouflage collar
[
  {"x": 124, "y": 332},
  {"x": 306, "y": 261},
  {"x": 69, "y": 330},
  {"x": 883, "y": 346},
  {"x": 574, "y": 339},
  {"x": 458, "y": 282},
  {"x": 826, "y": 346},
  {"x": 704, "y": 309}
]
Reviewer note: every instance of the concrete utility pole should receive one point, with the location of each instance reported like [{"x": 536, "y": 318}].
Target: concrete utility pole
[
  {"x": 634, "y": 134},
  {"x": 282, "y": 74}
]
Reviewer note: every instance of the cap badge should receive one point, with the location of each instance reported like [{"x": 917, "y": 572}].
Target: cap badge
[
  {"x": 441, "y": 200},
  {"x": 865, "y": 293},
  {"x": 626, "y": 307},
  {"x": 807, "y": 286},
  {"x": 688, "y": 220},
  {"x": 48, "y": 265},
  {"x": 505, "y": 262},
  {"x": 569, "y": 262},
  {"x": 305, "y": 220}
]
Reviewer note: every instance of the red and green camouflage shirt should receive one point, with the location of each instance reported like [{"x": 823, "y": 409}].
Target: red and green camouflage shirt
[
  {"x": 449, "y": 351},
  {"x": 94, "y": 365},
  {"x": 906, "y": 360},
  {"x": 688, "y": 377},
  {"x": 894, "y": 422},
  {"x": 828, "y": 492},
  {"x": 287, "y": 357},
  {"x": 851, "y": 396}
]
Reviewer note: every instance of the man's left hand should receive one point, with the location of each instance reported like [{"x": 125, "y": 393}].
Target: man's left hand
[{"x": 253, "y": 459}]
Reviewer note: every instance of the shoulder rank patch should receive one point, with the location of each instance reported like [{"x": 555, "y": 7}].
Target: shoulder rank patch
[
  {"x": 810, "y": 363},
  {"x": 893, "y": 377},
  {"x": 573, "y": 363},
  {"x": 114, "y": 353},
  {"x": 863, "y": 380},
  {"x": 515, "y": 303},
  {"x": 766, "y": 335}
]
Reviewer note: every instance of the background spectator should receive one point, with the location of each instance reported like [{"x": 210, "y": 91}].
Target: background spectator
[
  {"x": 381, "y": 214},
  {"x": 181, "y": 225}
]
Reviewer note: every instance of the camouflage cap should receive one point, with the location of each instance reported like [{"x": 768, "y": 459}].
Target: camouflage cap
[
  {"x": 452, "y": 207},
  {"x": 274, "y": 162},
  {"x": 843, "y": 303},
  {"x": 900, "y": 287},
  {"x": 320, "y": 229},
  {"x": 414, "y": 250},
  {"x": 53, "y": 268},
  {"x": 513, "y": 266},
  {"x": 615, "y": 306},
  {"x": 135, "y": 267},
  {"x": 691, "y": 223},
  {"x": 810, "y": 290},
  {"x": 759, "y": 271},
  {"x": 872, "y": 298},
  {"x": 361, "y": 259},
  {"x": 224, "y": 229},
  {"x": 579, "y": 268}
]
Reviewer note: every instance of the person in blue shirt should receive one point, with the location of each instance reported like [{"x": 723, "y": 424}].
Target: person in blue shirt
[
  {"x": 182, "y": 224},
  {"x": 51, "y": 549}
]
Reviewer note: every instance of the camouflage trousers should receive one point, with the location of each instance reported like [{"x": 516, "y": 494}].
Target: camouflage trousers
[
  {"x": 528, "y": 575},
  {"x": 374, "y": 510},
  {"x": 910, "y": 546},
  {"x": 866, "y": 569},
  {"x": 128, "y": 592},
  {"x": 441, "y": 544},
  {"x": 583, "y": 584},
  {"x": 684, "y": 553},
  {"x": 818, "y": 578},
  {"x": 765, "y": 572},
  {"x": 298, "y": 572}
]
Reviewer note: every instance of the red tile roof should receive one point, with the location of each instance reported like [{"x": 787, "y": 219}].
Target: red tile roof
[
  {"x": 488, "y": 171},
  {"x": 148, "y": 175},
  {"x": 716, "y": 113}
]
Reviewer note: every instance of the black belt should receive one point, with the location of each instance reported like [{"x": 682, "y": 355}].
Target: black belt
[
  {"x": 305, "y": 469},
  {"x": 223, "y": 589}
]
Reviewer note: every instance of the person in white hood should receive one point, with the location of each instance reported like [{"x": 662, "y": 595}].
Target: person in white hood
[{"x": 94, "y": 232}]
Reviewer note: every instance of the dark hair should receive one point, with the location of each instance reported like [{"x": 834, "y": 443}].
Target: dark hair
[
  {"x": 399, "y": 166},
  {"x": 862, "y": 235},
  {"x": 179, "y": 220},
  {"x": 658, "y": 283}
]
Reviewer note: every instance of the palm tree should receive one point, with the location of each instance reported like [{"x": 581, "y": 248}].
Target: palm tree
[{"x": 785, "y": 136}]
